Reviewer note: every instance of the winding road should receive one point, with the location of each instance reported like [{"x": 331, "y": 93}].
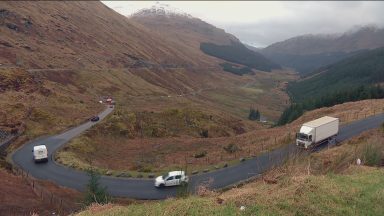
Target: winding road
[{"x": 143, "y": 188}]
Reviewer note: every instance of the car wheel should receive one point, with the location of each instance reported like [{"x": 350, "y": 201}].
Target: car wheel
[{"x": 161, "y": 185}]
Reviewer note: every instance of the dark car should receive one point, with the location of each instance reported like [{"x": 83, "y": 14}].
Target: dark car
[{"x": 95, "y": 118}]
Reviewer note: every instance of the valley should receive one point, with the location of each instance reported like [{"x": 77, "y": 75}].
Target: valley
[{"x": 190, "y": 96}]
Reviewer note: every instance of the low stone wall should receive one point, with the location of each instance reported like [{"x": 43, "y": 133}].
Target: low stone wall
[{"x": 7, "y": 139}]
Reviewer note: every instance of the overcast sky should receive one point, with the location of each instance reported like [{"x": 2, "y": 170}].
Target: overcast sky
[{"x": 263, "y": 23}]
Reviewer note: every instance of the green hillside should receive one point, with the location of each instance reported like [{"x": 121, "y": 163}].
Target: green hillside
[
  {"x": 238, "y": 53},
  {"x": 365, "y": 68},
  {"x": 349, "y": 80}
]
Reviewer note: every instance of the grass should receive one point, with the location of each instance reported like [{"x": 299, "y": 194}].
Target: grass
[
  {"x": 161, "y": 155},
  {"x": 176, "y": 127},
  {"x": 360, "y": 193},
  {"x": 287, "y": 190},
  {"x": 373, "y": 153},
  {"x": 39, "y": 106}
]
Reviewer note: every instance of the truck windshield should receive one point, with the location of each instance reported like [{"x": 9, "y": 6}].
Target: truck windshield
[{"x": 302, "y": 136}]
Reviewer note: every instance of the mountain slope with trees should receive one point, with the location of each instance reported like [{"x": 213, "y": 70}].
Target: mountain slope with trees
[{"x": 356, "y": 78}]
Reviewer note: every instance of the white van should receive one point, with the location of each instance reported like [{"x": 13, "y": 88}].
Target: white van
[{"x": 40, "y": 153}]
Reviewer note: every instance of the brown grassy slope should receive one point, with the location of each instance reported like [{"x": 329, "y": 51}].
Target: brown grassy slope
[
  {"x": 154, "y": 154},
  {"x": 89, "y": 35},
  {"x": 41, "y": 106},
  {"x": 80, "y": 34},
  {"x": 18, "y": 198},
  {"x": 336, "y": 187}
]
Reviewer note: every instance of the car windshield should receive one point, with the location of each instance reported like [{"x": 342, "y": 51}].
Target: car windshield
[
  {"x": 302, "y": 136},
  {"x": 165, "y": 176}
]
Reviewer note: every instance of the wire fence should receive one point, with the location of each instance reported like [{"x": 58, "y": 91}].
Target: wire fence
[
  {"x": 254, "y": 146},
  {"x": 59, "y": 205}
]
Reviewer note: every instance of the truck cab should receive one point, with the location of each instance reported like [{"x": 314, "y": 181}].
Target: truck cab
[
  {"x": 305, "y": 137},
  {"x": 40, "y": 153}
]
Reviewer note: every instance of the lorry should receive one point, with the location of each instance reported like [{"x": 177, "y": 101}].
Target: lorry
[
  {"x": 318, "y": 131},
  {"x": 40, "y": 153}
]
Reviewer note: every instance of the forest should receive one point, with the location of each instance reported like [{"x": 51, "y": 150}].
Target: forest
[{"x": 356, "y": 78}]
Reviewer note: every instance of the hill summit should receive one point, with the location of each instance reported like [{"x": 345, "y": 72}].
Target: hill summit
[
  {"x": 161, "y": 9},
  {"x": 306, "y": 53},
  {"x": 202, "y": 39}
]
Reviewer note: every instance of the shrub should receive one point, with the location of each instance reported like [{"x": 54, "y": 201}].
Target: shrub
[
  {"x": 382, "y": 127},
  {"x": 254, "y": 114},
  {"x": 95, "y": 193},
  {"x": 204, "y": 133},
  {"x": 142, "y": 166},
  {"x": 145, "y": 169},
  {"x": 182, "y": 191},
  {"x": 372, "y": 155},
  {"x": 231, "y": 148},
  {"x": 200, "y": 154}
]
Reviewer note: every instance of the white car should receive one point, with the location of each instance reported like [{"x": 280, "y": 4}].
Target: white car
[
  {"x": 171, "y": 179},
  {"x": 40, "y": 153}
]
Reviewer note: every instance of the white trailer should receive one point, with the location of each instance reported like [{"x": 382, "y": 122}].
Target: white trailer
[{"x": 324, "y": 129}]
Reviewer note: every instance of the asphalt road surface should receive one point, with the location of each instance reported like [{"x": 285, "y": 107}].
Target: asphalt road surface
[{"x": 144, "y": 188}]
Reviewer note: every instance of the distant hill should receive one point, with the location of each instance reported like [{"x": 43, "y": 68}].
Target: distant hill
[
  {"x": 256, "y": 49},
  {"x": 196, "y": 34},
  {"x": 309, "y": 52},
  {"x": 237, "y": 53}
]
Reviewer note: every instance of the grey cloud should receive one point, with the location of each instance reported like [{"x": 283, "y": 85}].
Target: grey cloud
[
  {"x": 310, "y": 18},
  {"x": 284, "y": 20}
]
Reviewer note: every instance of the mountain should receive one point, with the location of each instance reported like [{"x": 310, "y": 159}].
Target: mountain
[
  {"x": 309, "y": 52},
  {"x": 199, "y": 36},
  {"x": 87, "y": 48},
  {"x": 180, "y": 26},
  {"x": 87, "y": 35},
  {"x": 80, "y": 35}
]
